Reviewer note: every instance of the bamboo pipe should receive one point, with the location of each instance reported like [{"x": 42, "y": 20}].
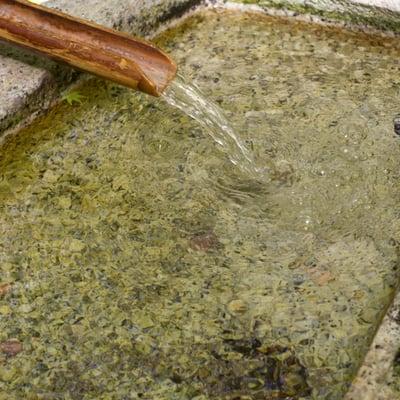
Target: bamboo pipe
[{"x": 86, "y": 46}]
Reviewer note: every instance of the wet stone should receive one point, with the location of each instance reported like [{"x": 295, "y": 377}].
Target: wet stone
[
  {"x": 396, "y": 363},
  {"x": 237, "y": 306},
  {"x": 396, "y": 124},
  {"x": 204, "y": 241},
  {"x": 11, "y": 347},
  {"x": 5, "y": 288},
  {"x": 273, "y": 373}
]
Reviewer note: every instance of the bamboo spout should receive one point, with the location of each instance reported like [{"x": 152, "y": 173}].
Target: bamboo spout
[{"x": 87, "y": 46}]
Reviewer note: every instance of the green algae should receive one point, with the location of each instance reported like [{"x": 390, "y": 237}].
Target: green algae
[{"x": 140, "y": 265}]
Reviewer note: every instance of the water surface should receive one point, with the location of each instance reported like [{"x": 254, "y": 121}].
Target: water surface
[
  {"x": 188, "y": 98},
  {"x": 142, "y": 264}
]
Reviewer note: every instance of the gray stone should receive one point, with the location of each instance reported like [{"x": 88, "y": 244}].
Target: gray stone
[{"x": 363, "y": 14}]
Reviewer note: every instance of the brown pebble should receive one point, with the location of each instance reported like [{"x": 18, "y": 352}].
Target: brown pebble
[
  {"x": 204, "y": 241},
  {"x": 11, "y": 347},
  {"x": 4, "y": 288},
  {"x": 321, "y": 278}
]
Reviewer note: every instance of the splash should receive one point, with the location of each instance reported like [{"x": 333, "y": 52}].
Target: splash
[{"x": 189, "y": 99}]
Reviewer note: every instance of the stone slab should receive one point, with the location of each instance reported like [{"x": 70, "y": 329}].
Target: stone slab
[
  {"x": 380, "y": 15},
  {"x": 377, "y": 379},
  {"x": 390, "y": 4}
]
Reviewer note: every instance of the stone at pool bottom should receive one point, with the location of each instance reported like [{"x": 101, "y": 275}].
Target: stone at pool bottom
[{"x": 99, "y": 205}]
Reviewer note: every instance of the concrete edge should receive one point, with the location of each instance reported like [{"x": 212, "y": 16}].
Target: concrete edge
[
  {"x": 374, "y": 378},
  {"x": 346, "y": 12}
]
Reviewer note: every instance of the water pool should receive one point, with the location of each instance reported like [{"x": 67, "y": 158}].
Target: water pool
[{"x": 138, "y": 262}]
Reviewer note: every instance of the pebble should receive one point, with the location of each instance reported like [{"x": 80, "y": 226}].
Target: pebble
[{"x": 11, "y": 347}]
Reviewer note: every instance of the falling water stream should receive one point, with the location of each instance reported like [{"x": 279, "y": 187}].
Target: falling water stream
[{"x": 189, "y": 99}]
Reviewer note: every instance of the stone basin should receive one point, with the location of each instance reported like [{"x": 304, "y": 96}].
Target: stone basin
[{"x": 127, "y": 273}]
